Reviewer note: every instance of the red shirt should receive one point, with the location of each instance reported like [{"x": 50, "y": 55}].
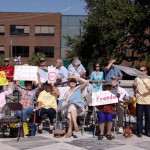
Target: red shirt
[{"x": 9, "y": 70}]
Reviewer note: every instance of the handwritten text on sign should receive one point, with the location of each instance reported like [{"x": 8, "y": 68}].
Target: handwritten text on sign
[
  {"x": 104, "y": 97},
  {"x": 3, "y": 80},
  {"x": 25, "y": 73}
]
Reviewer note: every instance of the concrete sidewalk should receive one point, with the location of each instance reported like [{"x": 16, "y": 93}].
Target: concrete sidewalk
[{"x": 46, "y": 141}]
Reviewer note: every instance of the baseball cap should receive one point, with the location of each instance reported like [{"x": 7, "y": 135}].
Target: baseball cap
[
  {"x": 6, "y": 59},
  {"x": 42, "y": 59}
]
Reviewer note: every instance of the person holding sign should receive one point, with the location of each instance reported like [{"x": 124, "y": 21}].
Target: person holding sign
[
  {"x": 74, "y": 103},
  {"x": 9, "y": 71},
  {"x": 106, "y": 114},
  {"x": 28, "y": 95}
]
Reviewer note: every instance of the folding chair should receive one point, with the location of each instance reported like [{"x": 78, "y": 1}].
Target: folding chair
[{"x": 9, "y": 108}]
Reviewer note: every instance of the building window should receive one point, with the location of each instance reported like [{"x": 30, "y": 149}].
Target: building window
[
  {"x": 2, "y": 30},
  {"x": 2, "y": 49},
  {"x": 47, "y": 50},
  {"x": 19, "y": 30},
  {"x": 22, "y": 51},
  {"x": 44, "y": 30}
]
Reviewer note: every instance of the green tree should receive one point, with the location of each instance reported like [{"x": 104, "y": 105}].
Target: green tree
[
  {"x": 36, "y": 58},
  {"x": 112, "y": 25}
]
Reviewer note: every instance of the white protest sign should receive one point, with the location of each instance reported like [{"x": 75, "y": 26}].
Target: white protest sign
[
  {"x": 104, "y": 97},
  {"x": 26, "y": 73},
  {"x": 52, "y": 74}
]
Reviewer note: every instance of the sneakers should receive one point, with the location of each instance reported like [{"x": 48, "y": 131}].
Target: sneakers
[{"x": 120, "y": 130}]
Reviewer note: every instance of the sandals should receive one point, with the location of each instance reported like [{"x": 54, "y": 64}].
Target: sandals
[
  {"x": 109, "y": 137},
  {"x": 100, "y": 137},
  {"x": 68, "y": 135}
]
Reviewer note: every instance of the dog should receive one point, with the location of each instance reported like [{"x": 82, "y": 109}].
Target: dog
[{"x": 128, "y": 132}]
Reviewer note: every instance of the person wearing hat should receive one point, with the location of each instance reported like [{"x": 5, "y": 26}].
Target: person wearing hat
[
  {"x": 42, "y": 63},
  {"x": 9, "y": 71}
]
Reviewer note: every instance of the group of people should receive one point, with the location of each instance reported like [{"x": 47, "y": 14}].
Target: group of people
[{"x": 50, "y": 98}]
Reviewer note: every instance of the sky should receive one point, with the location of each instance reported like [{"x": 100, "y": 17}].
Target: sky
[{"x": 66, "y": 7}]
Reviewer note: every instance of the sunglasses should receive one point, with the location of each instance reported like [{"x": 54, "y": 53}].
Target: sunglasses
[
  {"x": 97, "y": 66},
  {"x": 73, "y": 81},
  {"x": 114, "y": 86},
  {"x": 6, "y": 61},
  {"x": 142, "y": 70}
]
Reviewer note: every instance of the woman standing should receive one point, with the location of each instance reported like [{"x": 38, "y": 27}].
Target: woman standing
[
  {"x": 142, "y": 91},
  {"x": 97, "y": 78}
]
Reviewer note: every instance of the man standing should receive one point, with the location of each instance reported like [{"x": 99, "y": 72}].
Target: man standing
[
  {"x": 9, "y": 71},
  {"x": 111, "y": 72},
  {"x": 62, "y": 71}
]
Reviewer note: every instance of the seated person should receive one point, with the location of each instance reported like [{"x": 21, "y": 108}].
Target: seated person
[
  {"x": 106, "y": 114},
  {"x": 74, "y": 97},
  {"x": 28, "y": 95},
  {"x": 123, "y": 99},
  {"x": 47, "y": 104},
  {"x": 3, "y": 94}
]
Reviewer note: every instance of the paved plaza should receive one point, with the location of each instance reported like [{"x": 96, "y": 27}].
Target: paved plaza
[{"x": 46, "y": 141}]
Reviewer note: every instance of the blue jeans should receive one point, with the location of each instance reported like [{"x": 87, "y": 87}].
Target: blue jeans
[{"x": 26, "y": 112}]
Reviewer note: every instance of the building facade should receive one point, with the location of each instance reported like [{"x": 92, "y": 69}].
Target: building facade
[{"x": 23, "y": 34}]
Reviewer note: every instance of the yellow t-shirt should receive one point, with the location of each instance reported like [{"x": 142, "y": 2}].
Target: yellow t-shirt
[
  {"x": 48, "y": 100},
  {"x": 142, "y": 90}
]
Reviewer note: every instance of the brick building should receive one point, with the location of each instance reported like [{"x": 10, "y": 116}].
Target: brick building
[{"x": 28, "y": 33}]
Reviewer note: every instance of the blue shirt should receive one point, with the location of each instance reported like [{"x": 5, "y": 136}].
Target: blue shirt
[
  {"x": 97, "y": 76},
  {"x": 112, "y": 73}
]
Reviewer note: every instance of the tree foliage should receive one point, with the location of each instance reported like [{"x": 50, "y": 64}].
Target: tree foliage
[
  {"x": 111, "y": 27},
  {"x": 35, "y": 59}
]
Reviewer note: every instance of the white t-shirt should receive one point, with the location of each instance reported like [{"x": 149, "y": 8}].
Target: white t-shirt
[
  {"x": 63, "y": 72},
  {"x": 62, "y": 92},
  {"x": 123, "y": 93}
]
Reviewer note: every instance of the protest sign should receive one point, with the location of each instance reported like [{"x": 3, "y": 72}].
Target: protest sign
[
  {"x": 52, "y": 74},
  {"x": 25, "y": 73},
  {"x": 104, "y": 97},
  {"x": 3, "y": 79}
]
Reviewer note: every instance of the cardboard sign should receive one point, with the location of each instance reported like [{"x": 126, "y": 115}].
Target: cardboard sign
[
  {"x": 104, "y": 97},
  {"x": 3, "y": 79},
  {"x": 26, "y": 73},
  {"x": 52, "y": 74}
]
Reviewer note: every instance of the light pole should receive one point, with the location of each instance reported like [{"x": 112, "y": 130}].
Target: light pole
[{"x": 11, "y": 44}]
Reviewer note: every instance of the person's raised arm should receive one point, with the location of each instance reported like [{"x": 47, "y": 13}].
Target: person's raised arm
[
  {"x": 84, "y": 82},
  {"x": 110, "y": 64}
]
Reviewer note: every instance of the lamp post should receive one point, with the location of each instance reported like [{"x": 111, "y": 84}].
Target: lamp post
[{"x": 11, "y": 51}]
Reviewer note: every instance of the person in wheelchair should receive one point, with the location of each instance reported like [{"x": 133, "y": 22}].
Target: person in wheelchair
[
  {"x": 47, "y": 104},
  {"x": 74, "y": 104}
]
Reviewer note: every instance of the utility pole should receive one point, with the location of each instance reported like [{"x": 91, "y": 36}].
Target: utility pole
[{"x": 11, "y": 44}]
